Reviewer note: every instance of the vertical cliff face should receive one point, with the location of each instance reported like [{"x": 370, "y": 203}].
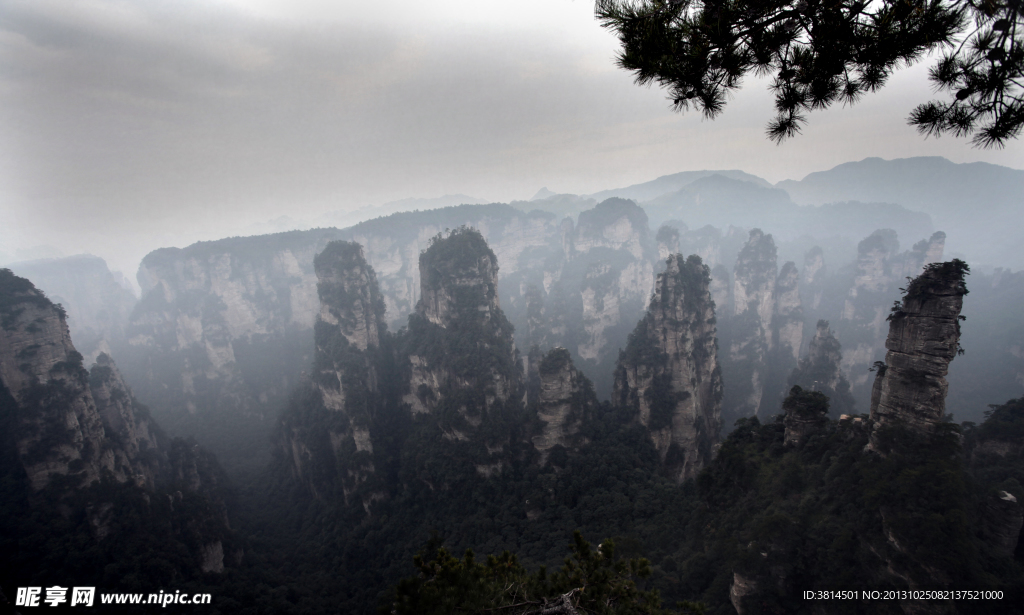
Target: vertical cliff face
[
  {"x": 326, "y": 433},
  {"x": 98, "y": 302},
  {"x": 347, "y": 334},
  {"x": 750, "y": 330},
  {"x": 212, "y": 313},
  {"x": 924, "y": 337},
  {"x": 721, "y": 288},
  {"x": 814, "y": 276},
  {"x": 593, "y": 289},
  {"x": 565, "y": 399},
  {"x": 668, "y": 242},
  {"x": 459, "y": 280},
  {"x": 210, "y": 316},
  {"x": 350, "y": 299},
  {"x": 669, "y": 374},
  {"x": 71, "y": 428},
  {"x": 789, "y": 315},
  {"x": 820, "y": 370},
  {"x": 879, "y": 272},
  {"x": 613, "y": 243},
  {"x": 616, "y": 223},
  {"x": 60, "y": 432},
  {"x": 601, "y": 296},
  {"x": 141, "y": 443},
  {"x": 806, "y": 413},
  {"x": 924, "y": 252},
  {"x": 463, "y": 368}
]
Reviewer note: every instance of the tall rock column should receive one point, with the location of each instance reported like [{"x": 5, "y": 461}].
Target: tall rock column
[
  {"x": 669, "y": 371},
  {"x": 789, "y": 313},
  {"x": 463, "y": 368},
  {"x": 924, "y": 336},
  {"x": 820, "y": 370},
  {"x": 350, "y": 322},
  {"x": 326, "y": 434},
  {"x": 814, "y": 276},
  {"x": 751, "y": 325},
  {"x": 565, "y": 398}
]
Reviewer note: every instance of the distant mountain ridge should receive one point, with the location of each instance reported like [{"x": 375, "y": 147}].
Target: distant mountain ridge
[
  {"x": 665, "y": 184},
  {"x": 978, "y": 204}
]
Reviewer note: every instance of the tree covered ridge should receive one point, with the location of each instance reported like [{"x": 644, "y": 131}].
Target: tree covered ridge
[{"x": 590, "y": 581}]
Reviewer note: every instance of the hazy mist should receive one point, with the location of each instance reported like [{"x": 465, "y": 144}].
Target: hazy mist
[{"x": 130, "y": 125}]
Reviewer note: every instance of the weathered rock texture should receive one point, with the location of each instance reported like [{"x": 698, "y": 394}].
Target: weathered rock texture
[
  {"x": 592, "y": 290},
  {"x": 814, "y": 276},
  {"x": 328, "y": 440},
  {"x": 463, "y": 368},
  {"x": 80, "y": 427},
  {"x": 820, "y": 370},
  {"x": 788, "y": 322},
  {"x": 210, "y": 311},
  {"x": 924, "y": 336},
  {"x": 806, "y": 413},
  {"x": 565, "y": 399},
  {"x": 669, "y": 374},
  {"x": 349, "y": 296},
  {"x": 879, "y": 272},
  {"x": 98, "y": 302},
  {"x": 668, "y": 242},
  {"x": 750, "y": 330},
  {"x": 61, "y": 431}
]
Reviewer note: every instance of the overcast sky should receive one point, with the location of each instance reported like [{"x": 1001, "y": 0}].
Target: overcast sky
[{"x": 127, "y": 125}]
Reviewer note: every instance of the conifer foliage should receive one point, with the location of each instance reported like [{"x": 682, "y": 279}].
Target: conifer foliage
[{"x": 823, "y": 52}]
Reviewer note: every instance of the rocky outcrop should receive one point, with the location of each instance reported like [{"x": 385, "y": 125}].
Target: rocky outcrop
[
  {"x": 750, "y": 330},
  {"x": 788, "y": 322},
  {"x": 924, "y": 336},
  {"x": 211, "y": 310},
  {"x": 350, "y": 299},
  {"x": 742, "y": 589},
  {"x": 705, "y": 242},
  {"x": 348, "y": 332},
  {"x": 668, "y": 242},
  {"x": 327, "y": 439},
  {"x": 593, "y": 287},
  {"x": 721, "y": 288},
  {"x": 565, "y": 399},
  {"x": 71, "y": 428},
  {"x": 669, "y": 374},
  {"x": 618, "y": 224},
  {"x": 211, "y": 313},
  {"x": 97, "y": 301},
  {"x": 806, "y": 413},
  {"x": 463, "y": 366},
  {"x": 879, "y": 272},
  {"x": 814, "y": 277},
  {"x": 141, "y": 442},
  {"x": 613, "y": 250},
  {"x": 59, "y": 432},
  {"x": 912, "y": 262},
  {"x": 459, "y": 280},
  {"x": 820, "y": 370}
]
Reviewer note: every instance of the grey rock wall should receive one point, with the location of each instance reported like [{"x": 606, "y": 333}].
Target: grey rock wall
[{"x": 669, "y": 373}]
